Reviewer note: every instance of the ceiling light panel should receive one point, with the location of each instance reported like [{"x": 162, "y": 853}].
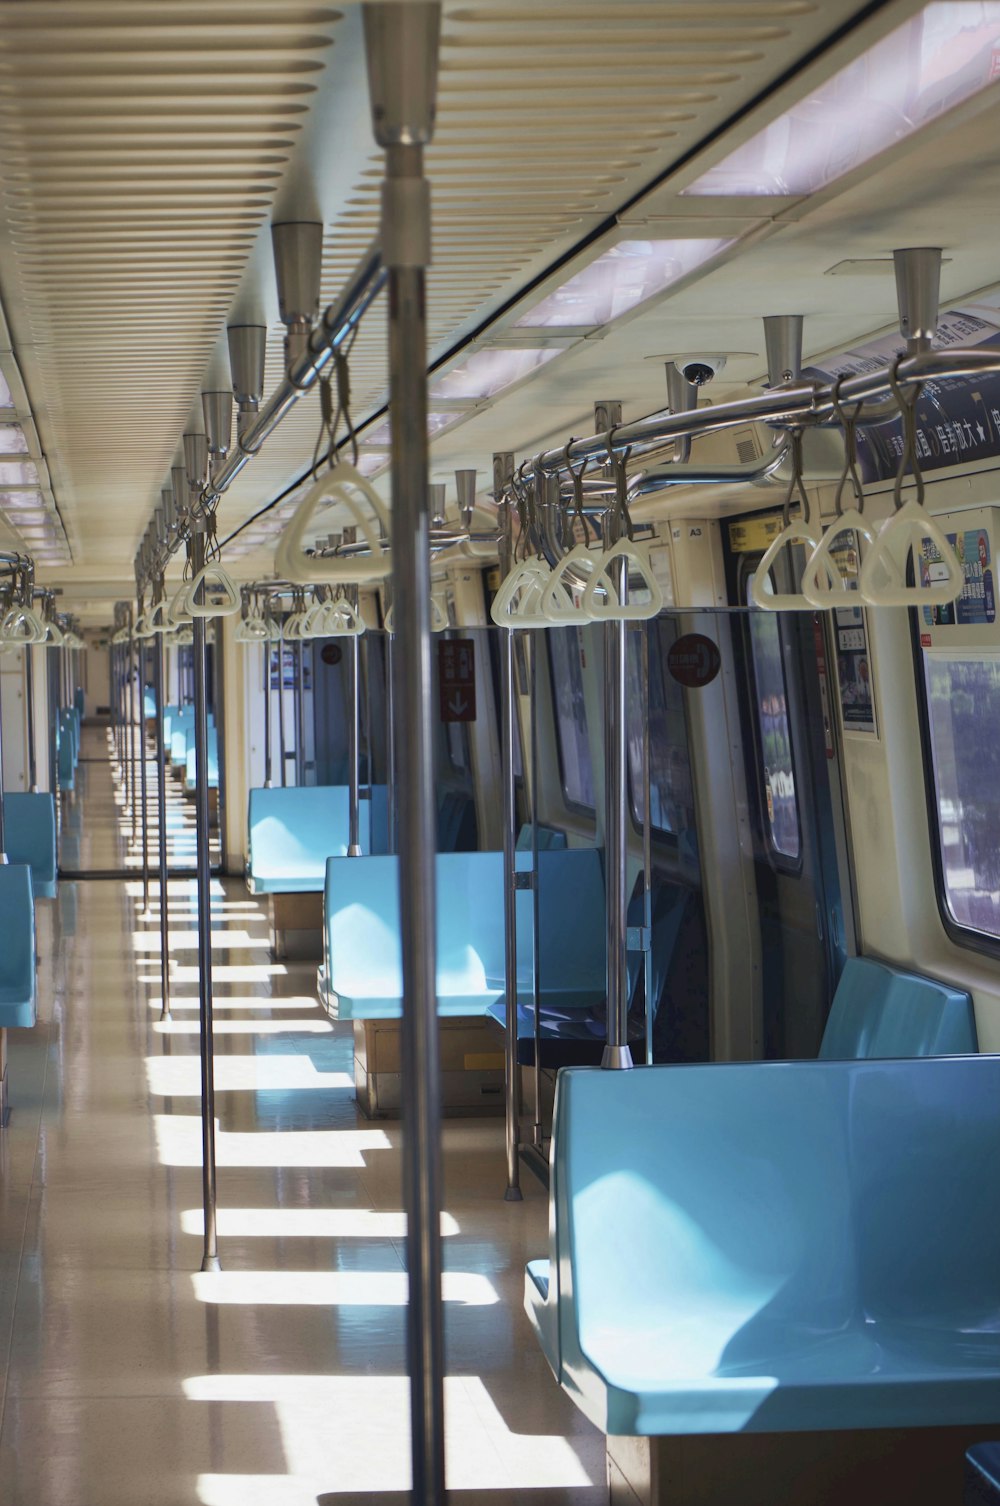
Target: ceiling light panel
[
  {"x": 620, "y": 280},
  {"x": 935, "y": 61}
]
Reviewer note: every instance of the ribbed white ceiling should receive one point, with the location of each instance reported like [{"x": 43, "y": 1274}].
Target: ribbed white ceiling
[{"x": 144, "y": 147}]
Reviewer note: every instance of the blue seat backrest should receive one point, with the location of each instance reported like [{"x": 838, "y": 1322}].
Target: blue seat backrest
[
  {"x": 79, "y": 701},
  {"x": 148, "y": 703},
  {"x": 30, "y": 837},
  {"x": 548, "y": 838},
  {"x": 362, "y": 922},
  {"x": 17, "y": 946},
  {"x": 293, "y": 831},
  {"x": 881, "y": 1011},
  {"x": 571, "y": 921},
  {"x": 729, "y": 1205}
]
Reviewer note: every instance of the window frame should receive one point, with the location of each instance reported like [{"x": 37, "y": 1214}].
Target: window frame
[
  {"x": 964, "y": 936},
  {"x": 571, "y": 804}
]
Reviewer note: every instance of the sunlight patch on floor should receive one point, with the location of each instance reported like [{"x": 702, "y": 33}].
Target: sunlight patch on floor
[{"x": 178, "y": 1143}]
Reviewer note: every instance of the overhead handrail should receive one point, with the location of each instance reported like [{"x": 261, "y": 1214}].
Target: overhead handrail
[
  {"x": 344, "y": 484},
  {"x": 822, "y": 581},
  {"x": 800, "y": 530},
  {"x": 605, "y": 598},
  {"x": 903, "y": 536}
]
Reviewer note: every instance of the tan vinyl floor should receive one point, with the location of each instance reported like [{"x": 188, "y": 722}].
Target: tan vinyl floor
[{"x": 127, "y": 1378}]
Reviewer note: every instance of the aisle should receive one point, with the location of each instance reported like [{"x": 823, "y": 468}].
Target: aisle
[{"x": 129, "y": 1379}]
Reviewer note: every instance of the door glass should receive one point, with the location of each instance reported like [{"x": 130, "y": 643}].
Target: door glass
[{"x": 771, "y": 708}]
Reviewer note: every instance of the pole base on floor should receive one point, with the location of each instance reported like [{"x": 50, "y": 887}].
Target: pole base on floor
[
  {"x": 513, "y": 1195},
  {"x": 211, "y": 1263},
  {"x": 616, "y": 1058}
]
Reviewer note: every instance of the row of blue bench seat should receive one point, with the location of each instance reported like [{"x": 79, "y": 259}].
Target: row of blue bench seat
[
  {"x": 782, "y": 1247},
  {"x": 68, "y": 723}
]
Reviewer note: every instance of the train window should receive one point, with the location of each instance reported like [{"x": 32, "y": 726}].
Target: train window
[
  {"x": 963, "y": 716},
  {"x": 670, "y": 791},
  {"x": 771, "y": 713},
  {"x": 572, "y": 740}
]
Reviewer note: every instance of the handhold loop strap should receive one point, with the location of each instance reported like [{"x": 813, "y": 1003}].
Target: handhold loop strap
[{"x": 909, "y": 459}]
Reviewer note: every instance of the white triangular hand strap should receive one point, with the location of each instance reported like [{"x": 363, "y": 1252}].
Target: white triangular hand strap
[
  {"x": 21, "y": 625},
  {"x": 558, "y": 605},
  {"x": 346, "y": 486},
  {"x": 883, "y": 573},
  {"x": 518, "y": 603},
  {"x": 220, "y": 597},
  {"x": 798, "y": 531},
  {"x": 178, "y": 611},
  {"x": 610, "y": 609},
  {"x": 822, "y": 582}
]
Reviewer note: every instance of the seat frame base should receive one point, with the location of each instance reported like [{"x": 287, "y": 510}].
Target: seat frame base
[
  {"x": 472, "y": 1073},
  {"x": 296, "y": 925},
  {"x": 4, "y": 1101},
  {"x": 869, "y": 1467}
]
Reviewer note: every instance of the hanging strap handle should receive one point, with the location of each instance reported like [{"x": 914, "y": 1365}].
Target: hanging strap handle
[
  {"x": 800, "y": 530},
  {"x": 822, "y": 581},
  {"x": 936, "y": 582},
  {"x": 344, "y": 485}
]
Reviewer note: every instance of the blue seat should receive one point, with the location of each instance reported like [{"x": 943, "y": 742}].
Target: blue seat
[
  {"x": 982, "y": 1475},
  {"x": 572, "y": 958},
  {"x": 181, "y": 729},
  {"x": 548, "y": 838},
  {"x": 190, "y": 761},
  {"x": 293, "y": 831},
  {"x": 774, "y": 1246},
  {"x": 65, "y": 761},
  {"x": 78, "y": 701},
  {"x": 30, "y": 837},
  {"x": 17, "y": 947},
  {"x": 362, "y": 975},
  {"x": 148, "y": 704},
  {"x": 880, "y": 1011}
]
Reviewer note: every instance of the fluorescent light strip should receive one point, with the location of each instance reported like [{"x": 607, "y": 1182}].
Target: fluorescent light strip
[
  {"x": 617, "y": 282},
  {"x": 937, "y": 60},
  {"x": 488, "y": 372}
]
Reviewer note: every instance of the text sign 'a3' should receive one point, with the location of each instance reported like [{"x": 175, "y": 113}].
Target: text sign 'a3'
[{"x": 457, "y": 679}]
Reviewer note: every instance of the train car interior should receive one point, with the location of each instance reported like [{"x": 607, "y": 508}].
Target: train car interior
[{"x": 499, "y": 753}]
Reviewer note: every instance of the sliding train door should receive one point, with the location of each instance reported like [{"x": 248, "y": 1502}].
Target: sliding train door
[{"x": 789, "y": 739}]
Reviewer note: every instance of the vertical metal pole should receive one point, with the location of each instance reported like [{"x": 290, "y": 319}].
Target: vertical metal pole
[
  {"x": 508, "y": 725},
  {"x": 210, "y": 1257},
  {"x": 402, "y": 47},
  {"x": 29, "y": 695},
  {"x": 616, "y": 1051},
  {"x": 353, "y": 748},
  {"x": 161, "y": 820},
  {"x": 536, "y": 961},
  {"x": 647, "y": 841},
  {"x": 133, "y": 660},
  {"x": 281, "y": 708},
  {"x": 268, "y": 654},
  {"x": 390, "y": 733},
  {"x": 299, "y": 704},
  {"x": 144, "y": 798}
]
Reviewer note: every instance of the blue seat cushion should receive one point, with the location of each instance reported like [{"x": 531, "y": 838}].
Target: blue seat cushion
[
  {"x": 982, "y": 1475},
  {"x": 30, "y": 837},
  {"x": 881, "y": 1011},
  {"x": 773, "y": 1247},
  {"x": 17, "y": 947},
  {"x": 363, "y": 968},
  {"x": 293, "y": 831}
]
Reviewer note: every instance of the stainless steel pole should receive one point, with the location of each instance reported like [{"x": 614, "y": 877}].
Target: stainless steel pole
[
  {"x": 390, "y": 733},
  {"x": 647, "y": 841},
  {"x": 161, "y": 821},
  {"x": 616, "y": 1051},
  {"x": 268, "y": 655},
  {"x": 29, "y": 695},
  {"x": 536, "y": 961},
  {"x": 133, "y": 660},
  {"x": 508, "y": 724},
  {"x": 210, "y": 1257},
  {"x": 281, "y": 709},
  {"x": 402, "y": 47},
  {"x": 143, "y": 794},
  {"x": 353, "y": 749}
]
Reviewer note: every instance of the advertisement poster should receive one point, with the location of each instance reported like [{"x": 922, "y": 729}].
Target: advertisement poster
[
  {"x": 854, "y": 677},
  {"x": 977, "y": 604}
]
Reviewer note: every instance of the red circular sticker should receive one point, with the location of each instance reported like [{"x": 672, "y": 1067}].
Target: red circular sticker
[
  {"x": 331, "y": 653},
  {"x": 694, "y": 660}
]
